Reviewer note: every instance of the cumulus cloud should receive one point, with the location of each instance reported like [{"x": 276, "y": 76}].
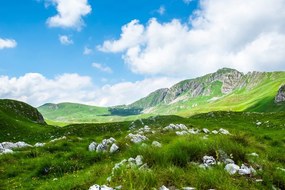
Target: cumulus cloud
[
  {"x": 36, "y": 89},
  {"x": 7, "y": 43},
  {"x": 102, "y": 67},
  {"x": 128, "y": 92},
  {"x": 246, "y": 35},
  {"x": 65, "y": 40},
  {"x": 70, "y": 13}
]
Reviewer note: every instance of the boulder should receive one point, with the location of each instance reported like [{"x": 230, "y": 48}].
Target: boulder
[
  {"x": 224, "y": 131},
  {"x": 138, "y": 160},
  {"x": 245, "y": 170},
  {"x": 114, "y": 148},
  {"x": 98, "y": 187},
  {"x": 205, "y": 130},
  {"x": 101, "y": 148},
  {"x": 163, "y": 188},
  {"x": 209, "y": 161},
  {"x": 39, "y": 144},
  {"x": 92, "y": 146},
  {"x": 232, "y": 168},
  {"x": 156, "y": 144},
  {"x": 137, "y": 138},
  {"x": 280, "y": 97}
]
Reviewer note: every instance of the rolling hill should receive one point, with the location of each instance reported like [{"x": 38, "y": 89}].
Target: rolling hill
[{"x": 225, "y": 90}]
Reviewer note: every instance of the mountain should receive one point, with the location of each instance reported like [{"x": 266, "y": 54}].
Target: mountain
[
  {"x": 19, "y": 121},
  {"x": 226, "y": 89},
  {"x": 72, "y": 112}
]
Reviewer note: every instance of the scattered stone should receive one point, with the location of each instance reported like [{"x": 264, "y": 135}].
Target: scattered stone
[
  {"x": 136, "y": 138},
  {"x": 224, "y": 131},
  {"x": 163, "y": 188},
  {"x": 114, "y": 148},
  {"x": 229, "y": 161},
  {"x": 156, "y": 144},
  {"x": 58, "y": 139},
  {"x": 92, "y": 146},
  {"x": 258, "y": 123},
  {"x": 39, "y": 144},
  {"x": 101, "y": 148},
  {"x": 232, "y": 168},
  {"x": 188, "y": 188},
  {"x": 253, "y": 154},
  {"x": 259, "y": 180},
  {"x": 138, "y": 160},
  {"x": 215, "y": 132},
  {"x": 7, "y": 147},
  {"x": 244, "y": 170},
  {"x": 98, "y": 187},
  {"x": 181, "y": 133},
  {"x": 173, "y": 127},
  {"x": 193, "y": 131},
  {"x": 209, "y": 161},
  {"x": 205, "y": 130}
]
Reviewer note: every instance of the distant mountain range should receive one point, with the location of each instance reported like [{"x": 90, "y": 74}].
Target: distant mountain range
[{"x": 226, "y": 90}]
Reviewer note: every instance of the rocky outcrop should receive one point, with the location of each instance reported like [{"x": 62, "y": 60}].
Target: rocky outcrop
[{"x": 280, "y": 97}]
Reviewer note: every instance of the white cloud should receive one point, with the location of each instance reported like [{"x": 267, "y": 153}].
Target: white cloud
[
  {"x": 7, "y": 43},
  {"x": 129, "y": 92},
  {"x": 102, "y": 67},
  {"x": 70, "y": 13},
  {"x": 132, "y": 34},
  {"x": 187, "y": 1},
  {"x": 87, "y": 51},
  {"x": 161, "y": 10},
  {"x": 246, "y": 35},
  {"x": 65, "y": 40},
  {"x": 36, "y": 89}
]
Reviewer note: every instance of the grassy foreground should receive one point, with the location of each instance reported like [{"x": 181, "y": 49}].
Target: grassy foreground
[{"x": 67, "y": 163}]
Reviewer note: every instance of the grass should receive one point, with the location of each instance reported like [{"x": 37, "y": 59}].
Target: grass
[{"x": 67, "y": 164}]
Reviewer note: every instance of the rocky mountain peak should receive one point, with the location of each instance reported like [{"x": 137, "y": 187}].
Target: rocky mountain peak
[{"x": 280, "y": 97}]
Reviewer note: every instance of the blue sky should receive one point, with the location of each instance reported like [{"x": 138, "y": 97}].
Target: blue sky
[{"x": 105, "y": 52}]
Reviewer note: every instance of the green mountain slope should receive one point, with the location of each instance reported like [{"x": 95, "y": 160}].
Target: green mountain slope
[
  {"x": 72, "y": 112},
  {"x": 20, "y": 121},
  {"x": 225, "y": 90}
]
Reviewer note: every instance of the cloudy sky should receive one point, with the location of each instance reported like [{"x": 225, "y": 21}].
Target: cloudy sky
[{"x": 109, "y": 52}]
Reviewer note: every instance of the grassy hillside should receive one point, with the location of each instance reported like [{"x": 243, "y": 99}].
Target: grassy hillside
[
  {"x": 71, "y": 112},
  {"x": 20, "y": 121},
  {"x": 67, "y": 163},
  {"x": 224, "y": 90}
]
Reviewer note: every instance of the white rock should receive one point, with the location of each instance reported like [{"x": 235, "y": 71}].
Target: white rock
[
  {"x": 98, "y": 187},
  {"x": 58, "y": 139},
  {"x": 253, "y": 154},
  {"x": 6, "y": 151},
  {"x": 137, "y": 138},
  {"x": 156, "y": 144},
  {"x": 163, "y": 188},
  {"x": 244, "y": 170},
  {"x": 92, "y": 146},
  {"x": 181, "y": 133},
  {"x": 139, "y": 161},
  {"x": 209, "y": 161},
  {"x": 22, "y": 144},
  {"x": 9, "y": 145},
  {"x": 101, "y": 148},
  {"x": 224, "y": 131},
  {"x": 205, "y": 130},
  {"x": 258, "y": 123},
  {"x": 229, "y": 161},
  {"x": 114, "y": 148},
  {"x": 232, "y": 168},
  {"x": 193, "y": 131},
  {"x": 188, "y": 188},
  {"x": 39, "y": 144},
  {"x": 215, "y": 132}
]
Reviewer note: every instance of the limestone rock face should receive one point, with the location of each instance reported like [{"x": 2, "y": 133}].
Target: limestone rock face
[{"x": 280, "y": 97}]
